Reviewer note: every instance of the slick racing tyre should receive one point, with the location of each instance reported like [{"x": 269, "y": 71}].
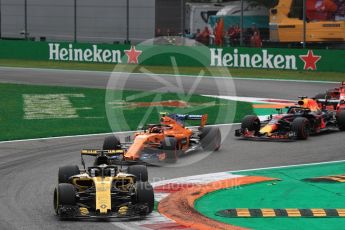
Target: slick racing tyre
[
  {"x": 144, "y": 195},
  {"x": 111, "y": 143},
  {"x": 64, "y": 195},
  {"x": 210, "y": 138},
  {"x": 341, "y": 120},
  {"x": 251, "y": 123},
  {"x": 169, "y": 147},
  {"x": 301, "y": 127},
  {"x": 66, "y": 172},
  {"x": 139, "y": 171}
]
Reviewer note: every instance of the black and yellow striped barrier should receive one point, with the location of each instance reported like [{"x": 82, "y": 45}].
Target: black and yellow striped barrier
[{"x": 289, "y": 212}]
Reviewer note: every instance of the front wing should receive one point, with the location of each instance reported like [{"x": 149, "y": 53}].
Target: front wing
[
  {"x": 250, "y": 135},
  {"x": 133, "y": 212}
]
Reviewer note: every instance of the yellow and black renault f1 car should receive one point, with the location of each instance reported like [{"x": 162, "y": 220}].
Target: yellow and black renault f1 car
[
  {"x": 299, "y": 122},
  {"x": 165, "y": 142},
  {"x": 108, "y": 189}
]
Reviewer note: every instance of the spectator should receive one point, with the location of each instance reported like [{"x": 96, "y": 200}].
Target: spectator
[
  {"x": 255, "y": 40},
  {"x": 320, "y": 10},
  {"x": 219, "y": 32},
  {"x": 249, "y": 33},
  {"x": 229, "y": 35},
  {"x": 197, "y": 35},
  {"x": 205, "y": 36},
  {"x": 340, "y": 13},
  {"x": 158, "y": 32},
  {"x": 231, "y": 31},
  {"x": 237, "y": 33},
  {"x": 233, "y": 34}
]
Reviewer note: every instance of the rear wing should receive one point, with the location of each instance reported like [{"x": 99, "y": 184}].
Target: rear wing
[
  {"x": 96, "y": 152},
  {"x": 183, "y": 117},
  {"x": 330, "y": 101},
  {"x": 117, "y": 154},
  {"x": 326, "y": 102}
]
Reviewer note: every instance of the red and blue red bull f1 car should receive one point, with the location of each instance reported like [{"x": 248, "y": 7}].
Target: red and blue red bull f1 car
[{"x": 300, "y": 120}]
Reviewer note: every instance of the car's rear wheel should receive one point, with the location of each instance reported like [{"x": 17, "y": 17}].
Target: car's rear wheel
[
  {"x": 169, "y": 147},
  {"x": 251, "y": 123},
  {"x": 210, "y": 138},
  {"x": 64, "y": 195},
  {"x": 144, "y": 195},
  {"x": 301, "y": 127},
  {"x": 341, "y": 120},
  {"x": 66, "y": 172},
  {"x": 139, "y": 171},
  {"x": 111, "y": 143}
]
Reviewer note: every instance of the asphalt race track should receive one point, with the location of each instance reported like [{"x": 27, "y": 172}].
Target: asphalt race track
[
  {"x": 211, "y": 86},
  {"x": 28, "y": 169}
]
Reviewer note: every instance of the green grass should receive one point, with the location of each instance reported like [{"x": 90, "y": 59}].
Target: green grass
[
  {"x": 235, "y": 72},
  {"x": 291, "y": 192},
  {"x": 33, "y": 119}
]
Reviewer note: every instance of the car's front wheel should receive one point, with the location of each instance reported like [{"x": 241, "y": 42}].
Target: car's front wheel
[
  {"x": 169, "y": 147},
  {"x": 66, "y": 172},
  {"x": 341, "y": 120},
  {"x": 251, "y": 123},
  {"x": 210, "y": 138},
  {"x": 144, "y": 195},
  {"x": 64, "y": 195},
  {"x": 301, "y": 127},
  {"x": 139, "y": 171}
]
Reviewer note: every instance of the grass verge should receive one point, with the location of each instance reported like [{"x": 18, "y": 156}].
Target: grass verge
[
  {"x": 42, "y": 111},
  {"x": 235, "y": 72},
  {"x": 290, "y": 192}
]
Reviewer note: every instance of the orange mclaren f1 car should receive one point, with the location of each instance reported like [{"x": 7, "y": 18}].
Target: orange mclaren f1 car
[
  {"x": 298, "y": 122},
  {"x": 166, "y": 141}
]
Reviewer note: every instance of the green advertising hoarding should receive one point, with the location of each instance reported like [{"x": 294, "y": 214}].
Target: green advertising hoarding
[{"x": 270, "y": 58}]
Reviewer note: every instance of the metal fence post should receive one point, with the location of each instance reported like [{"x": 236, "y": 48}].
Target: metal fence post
[
  {"x": 26, "y": 19},
  {"x": 241, "y": 22},
  {"x": 0, "y": 19},
  {"x": 304, "y": 23},
  {"x": 183, "y": 16},
  {"x": 75, "y": 21},
  {"x": 127, "y": 22}
]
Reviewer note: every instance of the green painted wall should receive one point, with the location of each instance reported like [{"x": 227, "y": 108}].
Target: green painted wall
[{"x": 272, "y": 58}]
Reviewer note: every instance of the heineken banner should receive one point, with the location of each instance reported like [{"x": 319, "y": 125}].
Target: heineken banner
[{"x": 270, "y": 58}]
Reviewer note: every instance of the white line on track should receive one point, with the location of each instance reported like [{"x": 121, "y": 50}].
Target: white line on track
[
  {"x": 288, "y": 166},
  {"x": 90, "y": 135},
  {"x": 168, "y": 75}
]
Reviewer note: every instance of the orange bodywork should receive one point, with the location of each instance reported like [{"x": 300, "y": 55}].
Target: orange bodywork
[{"x": 153, "y": 137}]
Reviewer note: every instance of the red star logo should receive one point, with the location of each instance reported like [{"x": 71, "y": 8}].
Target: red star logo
[
  {"x": 133, "y": 55},
  {"x": 310, "y": 60}
]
